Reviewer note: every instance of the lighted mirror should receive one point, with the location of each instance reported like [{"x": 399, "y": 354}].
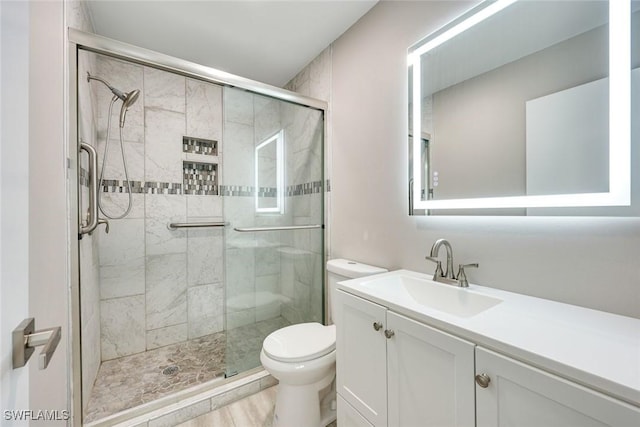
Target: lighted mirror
[
  {"x": 269, "y": 194},
  {"x": 523, "y": 105}
]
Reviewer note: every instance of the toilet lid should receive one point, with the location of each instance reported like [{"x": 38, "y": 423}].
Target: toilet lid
[{"x": 301, "y": 342}]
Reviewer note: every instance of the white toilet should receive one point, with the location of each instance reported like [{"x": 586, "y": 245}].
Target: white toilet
[{"x": 303, "y": 359}]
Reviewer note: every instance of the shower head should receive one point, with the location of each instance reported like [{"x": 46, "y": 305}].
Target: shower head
[{"x": 128, "y": 99}]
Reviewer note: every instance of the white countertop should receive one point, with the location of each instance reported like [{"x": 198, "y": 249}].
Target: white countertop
[{"x": 597, "y": 349}]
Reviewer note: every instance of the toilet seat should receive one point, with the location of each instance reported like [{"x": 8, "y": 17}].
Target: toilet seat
[{"x": 300, "y": 343}]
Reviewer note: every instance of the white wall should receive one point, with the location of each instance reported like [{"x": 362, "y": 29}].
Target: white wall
[
  {"x": 592, "y": 262},
  {"x": 14, "y": 201},
  {"x": 48, "y": 261}
]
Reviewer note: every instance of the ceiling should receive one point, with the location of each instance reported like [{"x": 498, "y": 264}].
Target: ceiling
[{"x": 264, "y": 40}]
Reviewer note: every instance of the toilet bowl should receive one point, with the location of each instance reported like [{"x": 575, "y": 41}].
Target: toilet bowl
[{"x": 302, "y": 358}]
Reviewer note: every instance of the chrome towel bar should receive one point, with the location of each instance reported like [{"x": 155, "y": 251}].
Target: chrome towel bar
[{"x": 277, "y": 228}]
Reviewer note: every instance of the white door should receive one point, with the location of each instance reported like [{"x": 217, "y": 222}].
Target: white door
[
  {"x": 430, "y": 376},
  {"x": 33, "y": 212},
  {"x": 361, "y": 360},
  {"x": 520, "y": 395}
]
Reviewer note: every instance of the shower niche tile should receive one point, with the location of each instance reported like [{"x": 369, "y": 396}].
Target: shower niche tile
[
  {"x": 200, "y": 178},
  {"x": 207, "y": 147}
]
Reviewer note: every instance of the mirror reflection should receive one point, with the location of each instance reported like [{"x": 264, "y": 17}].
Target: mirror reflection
[{"x": 517, "y": 105}]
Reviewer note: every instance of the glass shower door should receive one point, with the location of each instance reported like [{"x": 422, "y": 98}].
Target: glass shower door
[{"x": 272, "y": 184}]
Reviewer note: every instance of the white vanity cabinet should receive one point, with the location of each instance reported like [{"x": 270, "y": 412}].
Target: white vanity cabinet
[
  {"x": 349, "y": 417},
  {"x": 521, "y": 395},
  {"x": 398, "y": 372},
  {"x": 361, "y": 356},
  {"x": 394, "y": 371}
]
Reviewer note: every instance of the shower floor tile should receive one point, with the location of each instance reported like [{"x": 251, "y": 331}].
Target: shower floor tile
[{"x": 133, "y": 380}]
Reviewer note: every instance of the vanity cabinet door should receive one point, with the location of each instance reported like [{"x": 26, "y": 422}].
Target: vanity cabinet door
[
  {"x": 430, "y": 376},
  {"x": 349, "y": 417},
  {"x": 361, "y": 357},
  {"x": 520, "y": 395}
]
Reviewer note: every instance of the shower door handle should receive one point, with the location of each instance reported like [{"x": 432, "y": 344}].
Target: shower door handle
[{"x": 92, "y": 217}]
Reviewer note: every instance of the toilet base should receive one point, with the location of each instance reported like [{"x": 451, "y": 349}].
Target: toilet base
[
  {"x": 328, "y": 412},
  {"x": 305, "y": 405}
]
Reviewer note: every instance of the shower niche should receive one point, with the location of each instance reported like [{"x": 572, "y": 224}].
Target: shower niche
[
  {"x": 200, "y": 178},
  {"x": 164, "y": 309},
  {"x": 201, "y": 171},
  {"x": 199, "y": 146}
]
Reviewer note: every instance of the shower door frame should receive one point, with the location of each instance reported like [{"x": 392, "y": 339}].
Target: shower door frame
[{"x": 80, "y": 40}]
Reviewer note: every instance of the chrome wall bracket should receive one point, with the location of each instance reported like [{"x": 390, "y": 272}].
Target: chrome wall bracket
[{"x": 25, "y": 339}]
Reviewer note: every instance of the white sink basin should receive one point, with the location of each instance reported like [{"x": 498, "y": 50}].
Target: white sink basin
[{"x": 460, "y": 302}]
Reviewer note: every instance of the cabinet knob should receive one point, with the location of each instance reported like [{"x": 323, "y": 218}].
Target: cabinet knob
[
  {"x": 483, "y": 380},
  {"x": 377, "y": 326},
  {"x": 389, "y": 333}
]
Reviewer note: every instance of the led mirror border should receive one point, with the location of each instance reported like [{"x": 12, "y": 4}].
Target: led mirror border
[
  {"x": 279, "y": 208},
  {"x": 619, "y": 116}
]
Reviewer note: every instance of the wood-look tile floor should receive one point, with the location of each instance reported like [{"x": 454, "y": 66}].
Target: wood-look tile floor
[{"x": 252, "y": 411}]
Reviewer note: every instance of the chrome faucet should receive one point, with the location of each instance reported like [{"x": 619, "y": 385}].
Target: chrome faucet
[
  {"x": 434, "y": 254},
  {"x": 447, "y": 276}
]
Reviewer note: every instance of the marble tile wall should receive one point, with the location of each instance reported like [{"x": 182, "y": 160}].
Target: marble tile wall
[
  {"x": 254, "y": 283},
  {"x": 144, "y": 286},
  {"x": 306, "y": 275},
  {"x": 172, "y": 282},
  {"x": 157, "y": 286},
  {"x": 240, "y": 259},
  {"x": 306, "y": 289},
  {"x": 268, "y": 253},
  {"x": 89, "y": 245},
  {"x": 283, "y": 269}
]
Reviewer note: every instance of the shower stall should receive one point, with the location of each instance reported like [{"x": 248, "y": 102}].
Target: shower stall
[{"x": 201, "y": 218}]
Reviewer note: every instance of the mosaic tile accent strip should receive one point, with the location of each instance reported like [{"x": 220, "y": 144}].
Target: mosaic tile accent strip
[
  {"x": 306, "y": 188},
  {"x": 313, "y": 187},
  {"x": 207, "y": 147},
  {"x": 141, "y": 187},
  {"x": 267, "y": 192},
  {"x": 200, "y": 178},
  {"x": 237, "y": 190},
  {"x": 202, "y": 182}
]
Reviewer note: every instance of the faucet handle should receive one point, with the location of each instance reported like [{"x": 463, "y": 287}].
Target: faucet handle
[
  {"x": 474, "y": 265},
  {"x": 462, "y": 277},
  {"x": 438, "y": 272}
]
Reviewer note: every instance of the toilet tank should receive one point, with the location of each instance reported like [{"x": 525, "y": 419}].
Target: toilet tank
[{"x": 344, "y": 269}]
